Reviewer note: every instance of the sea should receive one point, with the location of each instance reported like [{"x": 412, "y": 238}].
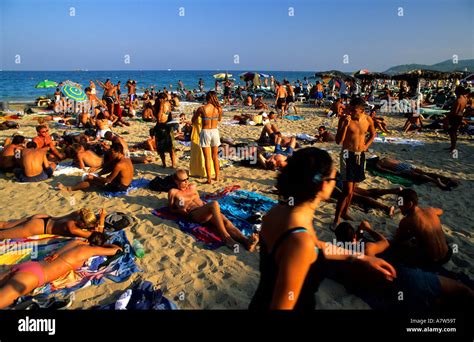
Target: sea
[{"x": 20, "y": 85}]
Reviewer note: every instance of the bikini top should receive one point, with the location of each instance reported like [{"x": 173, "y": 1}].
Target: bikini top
[{"x": 269, "y": 273}]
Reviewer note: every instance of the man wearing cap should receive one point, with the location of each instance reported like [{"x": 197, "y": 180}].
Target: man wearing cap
[{"x": 455, "y": 116}]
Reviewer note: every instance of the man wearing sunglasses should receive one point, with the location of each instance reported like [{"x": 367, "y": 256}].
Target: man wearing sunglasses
[
  {"x": 185, "y": 200},
  {"x": 44, "y": 141}
]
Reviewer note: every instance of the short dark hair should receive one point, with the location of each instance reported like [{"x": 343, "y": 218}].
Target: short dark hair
[
  {"x": 97, "y": 239},
  {"x": 18, "y": 139},
  {"x": 409, "y": 195},
  {"x": 108, "y": 135},
  {"x": 40, "y": 127},
  {"x": 323, "y": 127},
  {"x": 87, "y": 89},
  {"x": 117, "y": 147},
  {"x": 345, "y": 232},
  {"x": 358, "y": 102},
  {"x": 297, "y": 179},
  {"x": 31, "y": 144}
]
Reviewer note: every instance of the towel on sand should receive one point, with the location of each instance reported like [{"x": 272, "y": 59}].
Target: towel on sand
[
  {"x": 398, "y": 141},
  {"x": 136, "y": 184},
  {"x": 237, "y": 205},
  {"x": 293, "y": 117}
]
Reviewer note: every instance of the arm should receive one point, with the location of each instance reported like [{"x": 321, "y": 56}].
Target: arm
[
  {"x": 438, "y": 211},
  {"x": 114, "y": 174},
  {"x": 403, "y": 233},
  {"x": 102, "y": 85},
  {"x": 106, "y": 251},
  {"x": 45, "y": 161},
  {"x": 342, "y": 129},
  {"x": 372, "y": 133},
  {"x": 380, "y": 244},
  {"x": 81, "y": 162}
]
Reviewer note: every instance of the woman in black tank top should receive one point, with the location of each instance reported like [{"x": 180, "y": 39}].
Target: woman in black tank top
[{"x": 292, "y": 259}]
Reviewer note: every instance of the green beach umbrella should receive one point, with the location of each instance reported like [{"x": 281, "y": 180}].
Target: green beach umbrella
[
  {"x": 46, "y": 84},
  {"x": 74, "y": 93}
]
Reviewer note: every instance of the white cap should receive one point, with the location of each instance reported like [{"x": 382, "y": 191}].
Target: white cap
[{"x": 265, "y": 115}]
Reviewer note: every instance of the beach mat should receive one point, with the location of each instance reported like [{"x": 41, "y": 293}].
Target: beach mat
[{"x": 237, "y": 205}]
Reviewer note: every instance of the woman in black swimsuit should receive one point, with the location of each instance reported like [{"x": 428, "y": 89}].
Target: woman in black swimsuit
[
  {"x": 79, "y": 223},
  {"x": 292, "y": 259}
]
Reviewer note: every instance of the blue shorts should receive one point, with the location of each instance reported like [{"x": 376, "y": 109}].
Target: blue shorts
[
  {"x": 45, "y": 174},
  {"x": 287, "y": 152},
  {"x": 319, "y": 95}
]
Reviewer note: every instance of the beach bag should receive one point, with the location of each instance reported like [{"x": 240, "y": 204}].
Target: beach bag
[{"x": 118, "y": 221}]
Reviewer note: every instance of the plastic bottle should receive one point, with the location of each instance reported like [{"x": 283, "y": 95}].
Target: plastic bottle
[{"x": 138, "y": 248}]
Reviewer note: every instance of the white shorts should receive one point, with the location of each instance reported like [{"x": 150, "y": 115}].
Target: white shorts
[
  {"x": 101, "y": 133},
  {"x": 209, "y": 138}
]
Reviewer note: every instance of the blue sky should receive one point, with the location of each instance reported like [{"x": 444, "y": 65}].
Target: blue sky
[{"x": 211, "y": 32}]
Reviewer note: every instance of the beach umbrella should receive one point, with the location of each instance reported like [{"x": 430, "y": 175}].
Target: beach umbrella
[
  {"x": 222, "y": 76},
  {"x": 46, "y": 84},
  {"x": 74, "y": 93}
]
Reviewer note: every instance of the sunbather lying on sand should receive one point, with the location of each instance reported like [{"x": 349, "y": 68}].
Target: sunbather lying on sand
[
  {"x": 185, "y": 200},
  {"x": 87, "y": 158},
  {"x": 147, "y": 145},
  {"x": 277, "y": 159},
  {"x": 25, "y": 277},
  {"x": 79, "y": 223},
  {"x": 412, "y": 172}
]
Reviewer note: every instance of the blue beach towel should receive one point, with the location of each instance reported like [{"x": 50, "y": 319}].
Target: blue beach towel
[
  {"x": 136, "y": 184},
  {"x": 293, "y": 117}
]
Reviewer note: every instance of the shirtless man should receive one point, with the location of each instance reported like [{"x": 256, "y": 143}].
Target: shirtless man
[
  {"x": 379, "y": 122},
  {"x": 278, "y": 159},
  {"x": 410, "y": 171},
  {"x": 422, "y": 225},
  {"x": 11, "y": 154},
  {"x": 455, "y": 116},
  {"x": 209, "y": 139},
  {"x": 280, "y": 100},
  {"x": 109, "y": 94},
  {"x": 94, "y": 101},
  {"x": 44, "y": 141},
  {"x": 118, "y": 180},
  {"x": 87, "y": 158},
  {"x": 27, "y": 276},
  {"x": 185, "y": 201},
  {"x": 103, "y": 125},
  {"x": 324, "y": 135},
  {"x": 337, "y": 108},
  {"x": 80, "y": 223},
  {"x": 35, "y": 165},
  {"x": 116, "y": 139},
  {"x": 351, "y": 132},
  {"x": 259, "y": 104}
]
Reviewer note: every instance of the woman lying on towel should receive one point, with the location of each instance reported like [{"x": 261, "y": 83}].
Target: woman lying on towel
[
  {"x": 80, "y": 223},
  {"x": 25, "y": 277}
]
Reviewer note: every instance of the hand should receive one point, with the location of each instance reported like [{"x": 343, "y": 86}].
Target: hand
[
  {"x": 90, "y": 177},
  {"x": 380, "y": 265},
  {"x": 364, "y": 225},
  {"x": 102, "y": 212}
]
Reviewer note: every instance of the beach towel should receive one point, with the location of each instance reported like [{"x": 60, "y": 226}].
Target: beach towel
[
  {"x": 185, "y": 143},
  {"x": 117, "y": 268},
  {"x": 136, "y": 184},
  {"x": 394, "y": 179},
  {"x": 293, "y": 117},
  {"x": 239, "y": 206},
  {"x": 197, "y": 167},
  {"x": 305, "y": 137},
  {"x": 67, "y": 168},
  {"x": 398, "y": 141}
]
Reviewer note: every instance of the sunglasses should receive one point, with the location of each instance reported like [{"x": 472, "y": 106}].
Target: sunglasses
[
  {"x": 42, "y": 132},
  {"x": 182, "y": 180}
]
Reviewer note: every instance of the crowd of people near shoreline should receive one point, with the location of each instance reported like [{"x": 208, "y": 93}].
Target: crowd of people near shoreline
[{"x": 293, "y": 260}]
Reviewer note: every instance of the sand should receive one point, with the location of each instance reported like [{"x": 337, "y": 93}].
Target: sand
[{"x": 197, "y": 278}]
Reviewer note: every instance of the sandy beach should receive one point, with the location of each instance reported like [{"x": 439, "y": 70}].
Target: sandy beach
[{"x": 197, "y": 278}]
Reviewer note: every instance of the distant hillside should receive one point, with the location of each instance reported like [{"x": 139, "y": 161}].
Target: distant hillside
[{"x": 447, "y": 65}]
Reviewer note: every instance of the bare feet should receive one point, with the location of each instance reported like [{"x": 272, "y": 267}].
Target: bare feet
[
  {"x": 209, "y": 181},
  {"x": 63, "y": 188},
  {"x": 253, "y": 242}
]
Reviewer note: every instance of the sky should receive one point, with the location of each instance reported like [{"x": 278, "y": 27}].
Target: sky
[{"x": 289, "y": 35}]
